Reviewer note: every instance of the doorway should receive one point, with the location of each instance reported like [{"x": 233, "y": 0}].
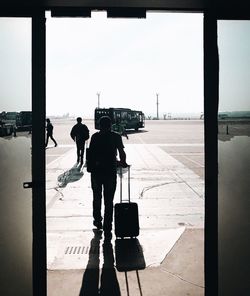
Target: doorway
[{"x": 167, "y": 168}]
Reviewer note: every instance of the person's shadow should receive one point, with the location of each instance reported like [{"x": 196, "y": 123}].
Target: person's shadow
[
  {"x": 109, "y": 285},
  {"x": 72, "y": 175}
]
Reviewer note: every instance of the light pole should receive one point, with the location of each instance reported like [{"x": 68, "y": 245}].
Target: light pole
[
  {"x": 98, "y": 104},
  {"x": 157, "y": 105}
]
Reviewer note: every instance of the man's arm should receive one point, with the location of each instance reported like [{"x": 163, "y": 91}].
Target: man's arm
[
  {"x": 120, "y": 148},
  {"x": 86, "y": 133},
  {"x": 122, "y": 156},
  {"x": 72, "y": 133}
]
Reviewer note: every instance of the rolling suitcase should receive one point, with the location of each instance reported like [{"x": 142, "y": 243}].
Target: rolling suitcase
[{"x": 126, "y": 214}]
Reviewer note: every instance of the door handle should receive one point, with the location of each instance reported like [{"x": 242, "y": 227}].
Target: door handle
[{"x": 27, "y": 185}]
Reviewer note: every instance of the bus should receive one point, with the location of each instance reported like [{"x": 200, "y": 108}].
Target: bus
[{"x": 130, "y": 119}]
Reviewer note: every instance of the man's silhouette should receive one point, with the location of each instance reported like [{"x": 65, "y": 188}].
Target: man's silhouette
[
  {"x": 49, "y": 129},
  {"x": 79, "y": 133},
  {"x": 102, "y": 156}
]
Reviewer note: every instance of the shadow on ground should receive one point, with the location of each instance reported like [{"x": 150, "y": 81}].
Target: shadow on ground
[
  {"x": 72, "y": 175},
  {"x": 130, "y": 132},
  {"x": 109, "y": 285},
  {"x": 129, "y": 256}
]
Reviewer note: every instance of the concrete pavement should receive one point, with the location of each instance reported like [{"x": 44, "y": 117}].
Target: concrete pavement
[{"x": 171, "y": 208}]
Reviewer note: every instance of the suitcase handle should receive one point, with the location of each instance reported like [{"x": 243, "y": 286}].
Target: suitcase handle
[{"x": 128, "y": 184}]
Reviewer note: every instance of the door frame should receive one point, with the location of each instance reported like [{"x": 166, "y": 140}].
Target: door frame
[
  {"x": 212, "y": 13},
  {"x": 39, "y": 262}
]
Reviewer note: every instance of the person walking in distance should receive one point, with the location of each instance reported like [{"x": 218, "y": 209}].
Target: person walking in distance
[
  {"x": 119, "y": 128},
  {"x": 102, "y": 163},
  {"x": 49, "y": 134},
  {"x": 79, "y": 133}
]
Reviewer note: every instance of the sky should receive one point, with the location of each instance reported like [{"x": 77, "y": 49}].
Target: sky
[
  {"x": 234, "y": 56},
  {"x": 126, "y": 61}
]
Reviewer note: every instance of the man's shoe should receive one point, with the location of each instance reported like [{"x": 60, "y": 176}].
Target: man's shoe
[{"x": 98, "y": 225}]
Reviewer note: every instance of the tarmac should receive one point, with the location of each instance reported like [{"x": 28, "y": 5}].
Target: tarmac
[{"x": 167, "y": 258}]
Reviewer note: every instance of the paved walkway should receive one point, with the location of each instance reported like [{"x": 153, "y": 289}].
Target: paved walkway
[{"x": 169, "y": 250}]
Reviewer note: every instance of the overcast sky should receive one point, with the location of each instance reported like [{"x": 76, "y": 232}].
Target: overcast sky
[
  {"x": 127, "y": 61},
  {"x": 234, "y": 55}
]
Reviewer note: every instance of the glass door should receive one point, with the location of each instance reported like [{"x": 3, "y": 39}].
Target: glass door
[
  {"x": 234, "y": 157},
  {"x": 15, "y": 157}
]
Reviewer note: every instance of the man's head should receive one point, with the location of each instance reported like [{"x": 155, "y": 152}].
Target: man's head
[
  {"x": 48, "y": 120},
  {"x": 79, "y": 119},
  {"x": 105, "y": 124}
]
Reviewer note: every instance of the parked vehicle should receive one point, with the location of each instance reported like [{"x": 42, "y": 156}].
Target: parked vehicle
[
  {"x": 11, "y": 122},
  {"x": 24, "y": 121},
  {"x": 6, "y": 129}
]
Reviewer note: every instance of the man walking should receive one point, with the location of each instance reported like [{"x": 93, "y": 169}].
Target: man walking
[
  {"x": 119, "y": 128},
  {"x": 102, "y": 164},
  {"x": 79, "y": 133},
  {"x": 49, "y": 129}
]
